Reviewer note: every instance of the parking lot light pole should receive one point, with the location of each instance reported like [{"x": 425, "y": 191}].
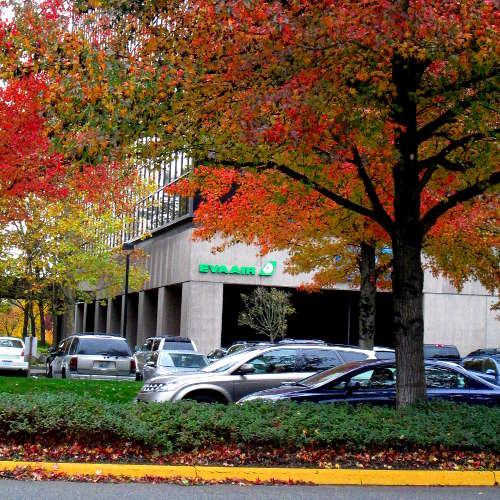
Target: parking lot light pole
[{"x": 127, "y": 248}]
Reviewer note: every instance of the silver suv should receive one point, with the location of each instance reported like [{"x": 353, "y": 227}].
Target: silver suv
[
  {"x": 263, "y": 367},
  {"x": 93, "y": 357},
  {"x": 151, "y": 345}
]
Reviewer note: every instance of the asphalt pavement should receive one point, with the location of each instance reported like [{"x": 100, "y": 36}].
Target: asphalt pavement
[{"x": 41, "y": 490}]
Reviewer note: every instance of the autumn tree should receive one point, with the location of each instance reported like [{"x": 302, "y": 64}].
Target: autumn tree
[{"x": 386, "y": 108}]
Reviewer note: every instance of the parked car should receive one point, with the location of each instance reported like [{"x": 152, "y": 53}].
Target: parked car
[
  {"x": 442, "y": 352},
  {"x": 374, "y": 382},
  {"x": 12, "y": 355},
  {"x": 254, "y": 369},
  {"x": 90, "y": 356},
  {"x": 487, "y": 367},
  {"x": 173, "y": 363},
  {"x": 152, "y": 344}
]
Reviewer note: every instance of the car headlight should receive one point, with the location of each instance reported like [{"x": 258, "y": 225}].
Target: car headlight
[{"x": 154, "y": 387}]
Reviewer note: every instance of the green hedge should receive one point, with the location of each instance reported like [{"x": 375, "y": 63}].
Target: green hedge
[{"x": 50, "y": 418}]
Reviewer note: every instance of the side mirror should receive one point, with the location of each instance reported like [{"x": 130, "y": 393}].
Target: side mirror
[
  {"x": 245, "y": 368},
  {"x": 490, "y": 371},
  {"x": 352, "y": 386}
]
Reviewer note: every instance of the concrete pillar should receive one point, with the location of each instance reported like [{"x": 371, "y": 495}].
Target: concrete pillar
[
  {"x": 113, "y": 317},
  {"x": 201, "y": 314},
  {"x": 168, "y": 320},
  {"x": 85, "y": 312},
  {"x": 78, "y": 324},
  {"x": 146, "y": 315},
  {"x": 100, "y": 316},
  {"x": 132, "y": 306}
]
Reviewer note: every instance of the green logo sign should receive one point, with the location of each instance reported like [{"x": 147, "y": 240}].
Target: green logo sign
[{"x": 267, "y": 270}]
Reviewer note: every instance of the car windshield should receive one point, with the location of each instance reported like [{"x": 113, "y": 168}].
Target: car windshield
[
  {"x": 225, "y": 363},
  {"x": 330, "y": 375},
  {"x": 103, "y": 347},
  {"x": 182, "y": 360},
  {"x": 18, "y": 344},
  {"x": 177, "y": 346},
  {"x": 437, "y": 351}
]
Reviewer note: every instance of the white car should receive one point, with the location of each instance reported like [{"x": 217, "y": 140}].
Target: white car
[{"x": 12, "y": 355}]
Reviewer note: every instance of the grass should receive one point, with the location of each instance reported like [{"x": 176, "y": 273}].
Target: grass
[{"x": 104, "y": 390}]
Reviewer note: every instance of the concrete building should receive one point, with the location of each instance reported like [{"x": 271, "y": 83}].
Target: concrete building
[{"x": 195, "y": 293}]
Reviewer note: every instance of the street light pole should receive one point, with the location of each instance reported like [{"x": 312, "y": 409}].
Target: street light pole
[{"x": 127, "y": 247}]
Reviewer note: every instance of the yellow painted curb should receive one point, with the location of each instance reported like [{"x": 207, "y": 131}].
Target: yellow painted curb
[{"x": 263, "y": 474}]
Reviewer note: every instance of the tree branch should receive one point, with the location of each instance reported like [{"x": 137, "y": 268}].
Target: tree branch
[
  {"x": 303, "y": 179},
  {"x": 370, "y": 190},
  {"x": 438, "y": 210},
  {"x": 433, "y": 160}
]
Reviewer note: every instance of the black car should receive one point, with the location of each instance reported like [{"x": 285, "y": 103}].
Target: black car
[{"x": 374, "y": 382}]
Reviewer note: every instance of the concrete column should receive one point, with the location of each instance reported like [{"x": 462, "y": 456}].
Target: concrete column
[
  {"x": 146, "y": 316},
  {"x": 85, "y": 313},
  {"x": 168, "y": 319},
  {"x": 132, "y": 307},
  {"x": 201, "y": 314},
  {"x": 78, "y": 324},
  {"x": 113, "y": 316},
  {"x": 100, "y": 316}
]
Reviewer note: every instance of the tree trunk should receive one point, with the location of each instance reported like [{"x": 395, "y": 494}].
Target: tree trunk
[
  {"x": 32, "y": 320},
  {"x": 367, "y": 297},
  {"x": 25, "y": 319},
  {"x": 407, "y": 284},
  {"x": 42, "y": 321}
]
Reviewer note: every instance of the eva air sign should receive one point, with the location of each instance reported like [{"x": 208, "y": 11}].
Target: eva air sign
[{"x": 267, "y": 270}]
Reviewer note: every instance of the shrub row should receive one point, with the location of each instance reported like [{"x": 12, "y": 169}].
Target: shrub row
[{"x": 186, "y": 426}]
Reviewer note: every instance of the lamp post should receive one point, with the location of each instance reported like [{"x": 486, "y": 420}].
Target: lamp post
[{"x": 127, "y": 248}]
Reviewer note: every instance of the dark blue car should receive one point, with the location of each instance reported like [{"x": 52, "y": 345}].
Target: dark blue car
[{"x": 374, "y": 382}]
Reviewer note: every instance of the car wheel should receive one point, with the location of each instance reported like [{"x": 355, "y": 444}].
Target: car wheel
[
  {"x": 48, "y": 370},
  {"x": 138, "y": 376},
  {"x": 24, "y": 373},
  {"x": 63, "y": 373},
  {"x": 204, "y": 398}
]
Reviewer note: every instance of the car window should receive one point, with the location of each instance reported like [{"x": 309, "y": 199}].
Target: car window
[
  {"x": 154, "y": 358},
  {"x": 183, "y": 360},
  {"x": 381, "y": 377},
  {"x": 11, "y": 343},
  {"x": 277, "y": 361},
  {"x": 473, "y": 364},
  {"x": 149, "y": 345},
  {"x": 66, "y": 345},
  {"x": 443, "y": 378},
  {"x": 156, "y": 344},
  {"x": 441, "y": 352},
  {"x": 177, "y": 346},
  {"x": 349, "y": 356},
  {"x": 103, "y": 347},
  {"x": 73, "y": 346},
  {"x": 314, "y": 360}
]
